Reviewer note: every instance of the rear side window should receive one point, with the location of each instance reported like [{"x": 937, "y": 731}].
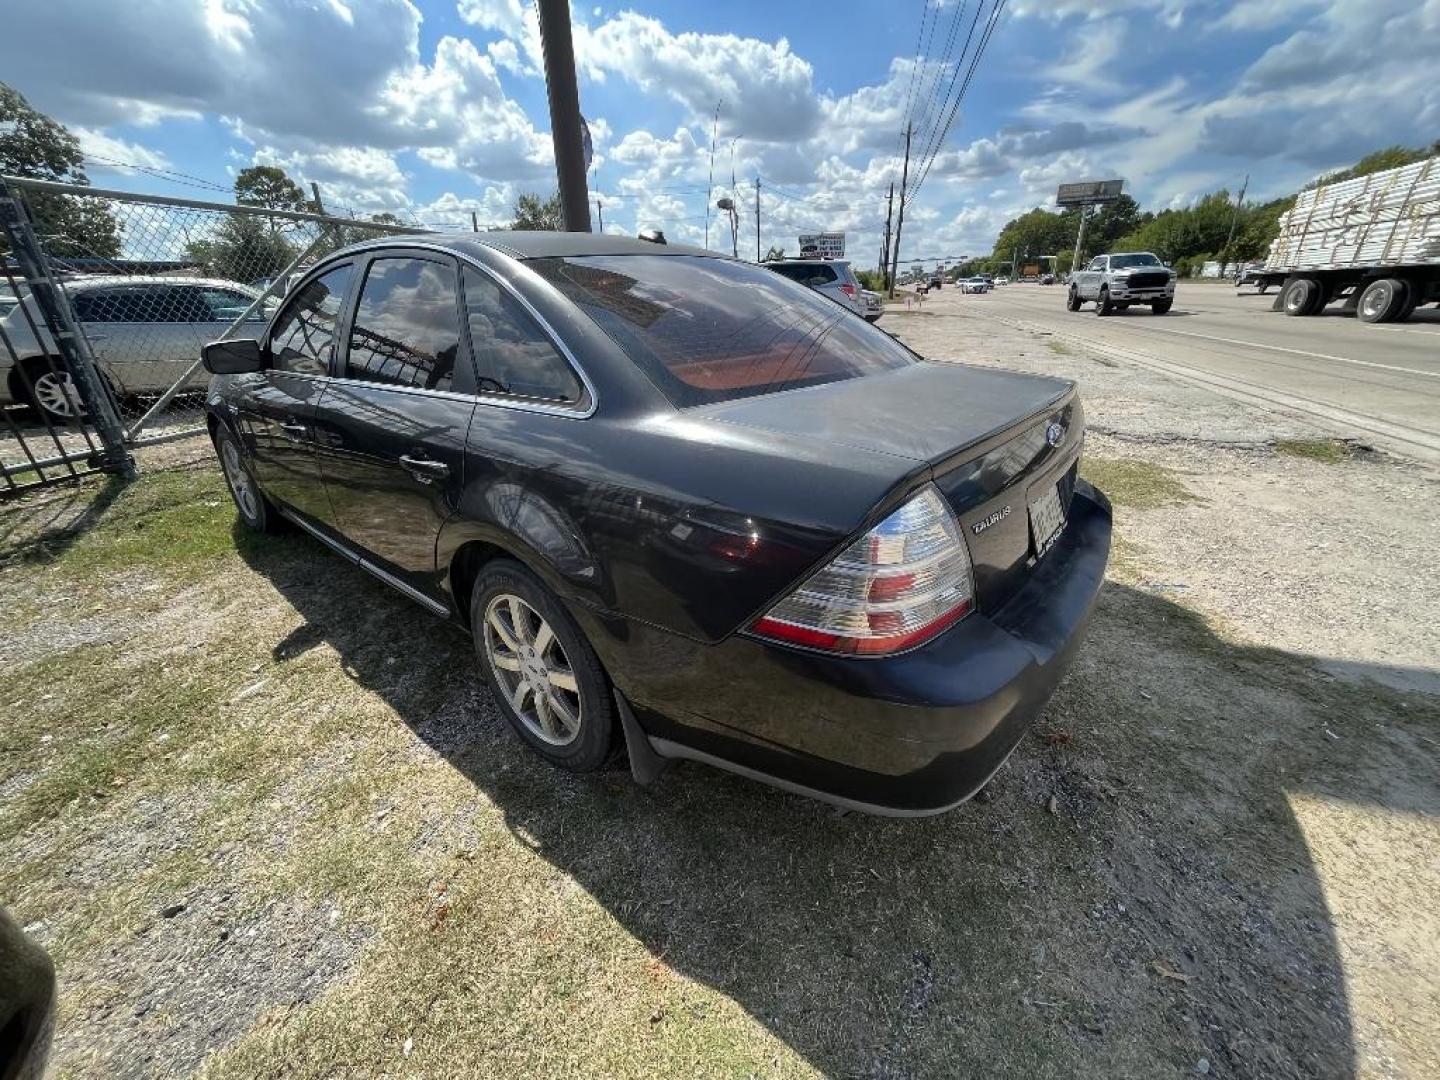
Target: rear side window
[
  {"x": 808, "y": 275},
  {"x": 513, "y": 354},
  {"x": 707, "y": 330},
  {"x": 136, "y": 303},
  {"x": 304, "y": 335},
  {"x": 406, "y": 330}
]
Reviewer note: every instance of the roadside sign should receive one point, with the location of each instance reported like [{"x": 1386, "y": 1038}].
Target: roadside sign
[
  {"x": 1090, "y": 191},
  {"x": 830, "y": 245}
]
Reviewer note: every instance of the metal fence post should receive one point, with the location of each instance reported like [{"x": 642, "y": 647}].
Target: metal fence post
[{"x": 114, "y": 456}]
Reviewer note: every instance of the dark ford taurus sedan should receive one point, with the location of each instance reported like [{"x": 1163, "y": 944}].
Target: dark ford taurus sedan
[{"x": 679, "y": 499}]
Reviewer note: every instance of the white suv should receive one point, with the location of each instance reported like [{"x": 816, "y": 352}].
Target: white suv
[
  {"x": 833, "y": 277},
  {"x": 143, "y": 331}
]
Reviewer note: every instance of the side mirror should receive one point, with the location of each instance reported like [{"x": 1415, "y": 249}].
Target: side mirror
[{"x": 233, "y": 356}]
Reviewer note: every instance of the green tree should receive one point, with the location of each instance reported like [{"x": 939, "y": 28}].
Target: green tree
[
  {"x": 533, "y": 215},
  {"x": 271, "y": 187},
  {"x": 774, "y": 253},
  {"x": 1039, "y": 232},
  {"x": 385, "y": 217},
  {"x": 35, "y": 146},
  {"x": 243, "y": 248}
]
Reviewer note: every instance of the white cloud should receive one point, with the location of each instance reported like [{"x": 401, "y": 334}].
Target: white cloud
[
  {"x": 289, "y": 74},
  {"x": 105, "y": 153}
]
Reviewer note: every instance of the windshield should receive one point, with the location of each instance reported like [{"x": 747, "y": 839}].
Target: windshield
[
  {"x": 707, "y": 330},
  {"x": 1120, "y": 262}
]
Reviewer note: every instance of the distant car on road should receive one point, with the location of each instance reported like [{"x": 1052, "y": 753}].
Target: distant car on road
[
  {"x": 679, "y": 500},
  {"x": 1047, "y": 279},
  {"x": 936, "y": 281},
  {"x": 145, "y": 332},
  {"x": 973, "y": 285},
  {"x": 829, "y": 277},
  {"x": 1116, "y": 281},
  {"x": 1002, "y": 280}
]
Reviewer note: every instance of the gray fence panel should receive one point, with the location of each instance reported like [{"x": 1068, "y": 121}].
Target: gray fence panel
[{"x": 145, "y": 281}]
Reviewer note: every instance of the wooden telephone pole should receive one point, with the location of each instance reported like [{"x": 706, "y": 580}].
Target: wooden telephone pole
[{"x": 900, "y": 221}]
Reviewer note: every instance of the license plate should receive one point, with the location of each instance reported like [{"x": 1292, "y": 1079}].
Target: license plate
[{"x": 1047, "y": 519}]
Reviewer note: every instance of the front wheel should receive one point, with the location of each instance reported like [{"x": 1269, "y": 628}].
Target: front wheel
[
  {"x": 1160, "y": 307},
  {"x": 1102, "y": 303},
  {"x": 546, "y": 678},
  {"x": 1072, "y": 299},
  {"x": 256, "y": 511}
]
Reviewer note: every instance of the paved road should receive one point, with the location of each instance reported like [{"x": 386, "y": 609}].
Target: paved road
[{"x": 1378, "y": 383}]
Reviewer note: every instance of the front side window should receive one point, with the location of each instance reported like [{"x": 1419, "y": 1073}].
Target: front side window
[
  {"x": 1098, "y": 263},
  {"x": 227, "y": 305},
  {"x": 304, "y": 335},
  {"x": 707, "y": 330},
  {"x": 407, "y": 327},
  {"x": 512, "y": 352}
]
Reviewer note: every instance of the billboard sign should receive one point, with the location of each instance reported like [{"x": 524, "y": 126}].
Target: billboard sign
[
  {"x": 1091, "y": 191},
  {"x": 829, "y": 245}
]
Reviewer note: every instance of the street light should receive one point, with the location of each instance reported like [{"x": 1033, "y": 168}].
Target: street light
[{"x": 728, "y": 205}]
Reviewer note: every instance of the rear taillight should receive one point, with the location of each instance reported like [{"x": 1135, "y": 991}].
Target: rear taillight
[
  {"x": 848, "y": 290},
  {"x": 900, "y": 584}
]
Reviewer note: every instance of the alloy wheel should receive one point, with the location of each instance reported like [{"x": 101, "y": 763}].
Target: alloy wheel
[
  {"x": 532, "y": 670},
  {"x": 239, "y": 481},
  {"x": 57, "y": 394}
]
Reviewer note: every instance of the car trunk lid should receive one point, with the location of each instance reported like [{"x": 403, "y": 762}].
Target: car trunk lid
[{"x": 982, "y": 431}]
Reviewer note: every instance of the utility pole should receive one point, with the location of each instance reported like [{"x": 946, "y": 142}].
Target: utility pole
[
  {"x": 1234, "y": 218},
  {"x": 757, "y": 219},
  {"x": 565, "y": 123},
  {"x": 885, "y": 244},
  {"x": 474, "y": 222},
  {"x": 600, "y": 212},
  {"x": 900, "y": 221},
  {"x": 1015, "y": 264},
  {"x": 710, "y": 187},
  {"x": 1079, "y": 239}
]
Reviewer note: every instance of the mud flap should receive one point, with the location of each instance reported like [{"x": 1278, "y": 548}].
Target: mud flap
[{"x": 645, "y": 764}]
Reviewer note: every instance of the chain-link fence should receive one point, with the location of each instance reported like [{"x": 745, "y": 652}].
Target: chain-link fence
[{"x": 145, "y": 281}]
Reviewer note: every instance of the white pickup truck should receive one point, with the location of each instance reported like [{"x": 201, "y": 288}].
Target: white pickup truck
[{"x": 1118, "y": 280}]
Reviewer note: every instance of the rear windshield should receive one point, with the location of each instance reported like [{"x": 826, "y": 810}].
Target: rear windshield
[{"x": 708, "y": 330}]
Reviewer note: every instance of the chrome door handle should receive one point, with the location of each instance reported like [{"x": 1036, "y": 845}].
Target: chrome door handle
[
  {"x": 291, "y": 428},
  {"x": 423, "y": 469}
]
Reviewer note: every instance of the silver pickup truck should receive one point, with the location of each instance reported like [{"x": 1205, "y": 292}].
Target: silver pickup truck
[{"x": 1119, "y": 280}]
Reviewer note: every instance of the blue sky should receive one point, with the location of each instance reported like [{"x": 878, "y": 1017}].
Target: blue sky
[{"x": 435, "y": 109}]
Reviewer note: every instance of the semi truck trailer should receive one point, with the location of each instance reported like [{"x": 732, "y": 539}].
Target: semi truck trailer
[{"x": 1372, "y": 242}]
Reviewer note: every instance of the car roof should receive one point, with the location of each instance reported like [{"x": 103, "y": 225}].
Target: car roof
[
  {"x": 541, "y": 245},
  {"x": 102, "y": 281}
]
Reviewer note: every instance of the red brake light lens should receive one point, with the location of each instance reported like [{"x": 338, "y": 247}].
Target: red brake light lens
[
  {"x": 897, "y": 586},
  {"x": 848, "y": 290}
]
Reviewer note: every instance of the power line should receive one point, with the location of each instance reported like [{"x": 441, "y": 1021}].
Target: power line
[
  {"x": 184, "y": 179},
  {"x": 996, "y": 10}
]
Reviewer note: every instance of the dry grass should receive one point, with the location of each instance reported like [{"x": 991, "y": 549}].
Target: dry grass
[{"x": 378, "y": 879}]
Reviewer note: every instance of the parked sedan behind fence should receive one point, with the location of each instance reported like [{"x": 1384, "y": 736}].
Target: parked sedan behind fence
[
  {"x": 145, "y": 333},
  {"x": 682, "y": 500}
]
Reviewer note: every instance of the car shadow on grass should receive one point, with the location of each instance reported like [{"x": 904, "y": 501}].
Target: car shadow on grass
[{"x": 1136, "y": 893}]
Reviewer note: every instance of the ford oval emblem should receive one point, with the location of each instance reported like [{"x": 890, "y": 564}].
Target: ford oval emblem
[{"x": 1054, "y": 432}]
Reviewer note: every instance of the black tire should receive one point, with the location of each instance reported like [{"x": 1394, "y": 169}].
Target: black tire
[
  {"x": 255, "y": 510},
  {"x": 1161, "y": 307},
  {"x": 591, "y": 745},
  {"x": 1102, "y": 302},
  {"x": 1072, "y": 299},
  {"x": 1262, "y": 287},
  {"x": 1302, "y": 296},
  {"x": 1413, "y": 290},
  {"x": 1382, "y": 300}
]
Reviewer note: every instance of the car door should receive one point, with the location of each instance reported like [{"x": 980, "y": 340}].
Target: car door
[
  {"x": 1095, "y": 273},
  {"x": 277, "y": 405},
  {"x": 390, "y": 429}
]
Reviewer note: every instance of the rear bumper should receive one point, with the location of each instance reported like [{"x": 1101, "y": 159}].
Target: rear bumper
[{"x": 912, "y": 734}]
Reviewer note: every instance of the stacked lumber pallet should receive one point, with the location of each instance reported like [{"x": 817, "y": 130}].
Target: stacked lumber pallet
[{"x": 1389, "y": 218}]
